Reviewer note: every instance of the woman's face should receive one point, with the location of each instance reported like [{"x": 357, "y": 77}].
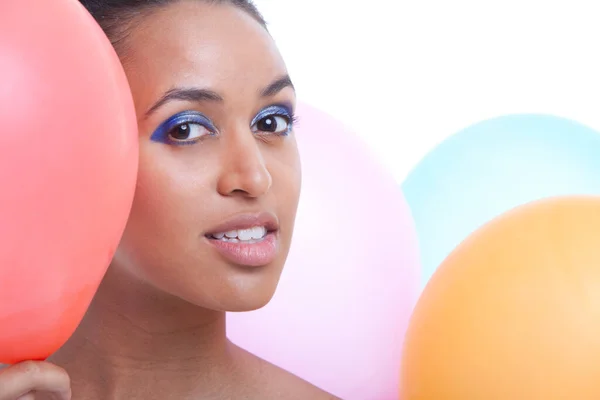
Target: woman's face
[{"x": 219, "y": 176}]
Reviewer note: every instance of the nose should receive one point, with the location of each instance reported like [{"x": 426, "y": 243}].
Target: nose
[{"x": 243, "y": 171}]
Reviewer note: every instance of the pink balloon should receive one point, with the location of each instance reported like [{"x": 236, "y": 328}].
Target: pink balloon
[{"x": 342, "y": 307}]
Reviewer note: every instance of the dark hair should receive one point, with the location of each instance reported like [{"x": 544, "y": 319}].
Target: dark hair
[{"x": 117, "y": 16}]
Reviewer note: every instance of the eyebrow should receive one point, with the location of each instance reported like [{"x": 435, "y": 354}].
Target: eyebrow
[
  {"x": 277, "y": 86},
  {"x": 197, "y": 95}
]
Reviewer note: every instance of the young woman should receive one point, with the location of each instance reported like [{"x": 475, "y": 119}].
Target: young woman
[{"x": 212, "y": 220}]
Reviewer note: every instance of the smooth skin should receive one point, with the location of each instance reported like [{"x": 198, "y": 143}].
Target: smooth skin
[{"x": 156, "y": 328}]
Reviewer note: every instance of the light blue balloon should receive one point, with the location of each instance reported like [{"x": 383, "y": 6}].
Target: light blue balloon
[{"x": 492, "y": 167}]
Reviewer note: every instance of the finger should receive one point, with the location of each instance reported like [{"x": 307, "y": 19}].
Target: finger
[{"x": 29, "y": 376}]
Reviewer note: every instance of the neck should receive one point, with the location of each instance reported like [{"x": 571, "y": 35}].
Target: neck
[{"x": 133, "y": 333}]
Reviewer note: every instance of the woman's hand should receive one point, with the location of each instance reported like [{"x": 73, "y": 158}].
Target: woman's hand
[{"x": 22, "y": 381}]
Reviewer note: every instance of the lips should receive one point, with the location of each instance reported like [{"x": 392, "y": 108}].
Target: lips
[
  {"x": 245, "y": 223},
  {"x": 247, "y": 240},
  {"x": 241, "y": 235}
]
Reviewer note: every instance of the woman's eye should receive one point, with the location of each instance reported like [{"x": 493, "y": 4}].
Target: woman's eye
[
  {"x": 188, "y": 132},
  {"x": 276, "y": 124},
  {"x": 187, "y": 127}
]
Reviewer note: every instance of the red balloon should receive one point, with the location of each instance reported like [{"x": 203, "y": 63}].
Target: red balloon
[{"x": 68, "y": 165}]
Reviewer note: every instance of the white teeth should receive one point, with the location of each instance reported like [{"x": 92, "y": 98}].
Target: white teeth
[
  {"x": 258, "y": 232},
  {"x": 245, "y": 234},
  {"x": 242, "y": 235}
]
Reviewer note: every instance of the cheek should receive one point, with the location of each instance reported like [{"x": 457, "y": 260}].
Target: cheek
[{"x": 169, "y": 197}]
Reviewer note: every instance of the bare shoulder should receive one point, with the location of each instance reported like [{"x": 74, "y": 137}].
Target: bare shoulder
[
  {"x": 287, "y": 386},
  {"x": 277, "y": 383}
]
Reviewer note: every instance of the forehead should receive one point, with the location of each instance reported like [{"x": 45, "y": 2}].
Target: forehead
[{"x": 195, "y": 43}]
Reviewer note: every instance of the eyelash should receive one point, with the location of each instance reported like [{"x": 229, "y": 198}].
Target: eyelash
[
  {"x": 164, "y": 132},
  {"x": 277, "y": 111}
]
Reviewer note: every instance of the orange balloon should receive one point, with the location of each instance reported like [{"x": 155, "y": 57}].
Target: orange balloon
[
  {"x": 514, "y": 311},
  {"x": 68, "y": 164}
]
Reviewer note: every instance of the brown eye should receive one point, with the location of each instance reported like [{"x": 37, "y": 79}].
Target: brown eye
[
  {"x": 272, "y": 124},
  {"x": 188, "y": 132}
]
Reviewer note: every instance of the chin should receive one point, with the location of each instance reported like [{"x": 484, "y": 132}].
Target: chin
[
  {"x": 237, "y": 291},
  {"x": 247, "y": 306},
  {"x": 207, "y": 282},
  {"x": 249, "y": 299},
  {"x": 237, "y": 304}
]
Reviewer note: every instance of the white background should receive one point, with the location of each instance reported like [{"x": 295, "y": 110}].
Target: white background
[{"x": 405, "y": 75}]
